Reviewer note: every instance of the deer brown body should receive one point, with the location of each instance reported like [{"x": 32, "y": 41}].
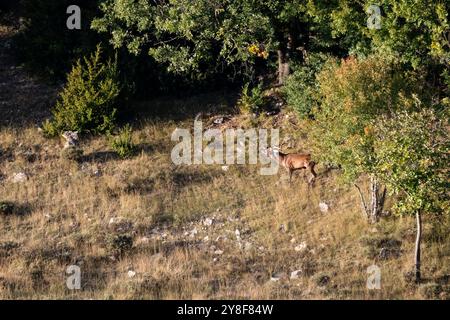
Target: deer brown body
[{"x": 293, "y": 161}]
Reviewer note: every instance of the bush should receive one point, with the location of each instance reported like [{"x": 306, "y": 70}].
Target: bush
[
  {"x": 123, "y": 142},
  {"x": 120, "y": 244},
  {"x": 88, "y": 101},
  {"x": 300, "y": 89},
  {"x": 350, "y": 96},
  {"x": 251, "y": 100},
  {"x": 6, "y": 208}
]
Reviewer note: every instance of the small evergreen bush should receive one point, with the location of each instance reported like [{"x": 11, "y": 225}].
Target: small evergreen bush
[
  {"x": 88, "y": 101},
  {"x": 251, "y": 99},
  {"x": 122, "y": 144}
]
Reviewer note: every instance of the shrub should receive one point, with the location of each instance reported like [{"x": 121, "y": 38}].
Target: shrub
[
  {"x": 350, "y": 96},
  {"x": 251, "y": 100},
  {"x": 120, "y": 244},
  {"x": 6, "y": 208},
  {"x": 300, "y": 89},
  {"x": 87, "y": 102},
  {"x": 123, "y": 142}
]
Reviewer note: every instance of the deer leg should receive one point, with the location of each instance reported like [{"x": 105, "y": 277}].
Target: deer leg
[
  {"x": 290, "y": 175},
  {"x": 311, "y": 166}
]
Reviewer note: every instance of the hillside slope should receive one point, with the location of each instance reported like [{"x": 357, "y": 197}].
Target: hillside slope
[{"x": 143, "y": 228}]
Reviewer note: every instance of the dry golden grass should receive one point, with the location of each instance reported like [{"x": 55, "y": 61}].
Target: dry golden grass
[{"x": 64, "y": 213}]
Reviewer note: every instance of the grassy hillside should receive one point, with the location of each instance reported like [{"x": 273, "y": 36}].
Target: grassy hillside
[{"x": 145, "y": 228}]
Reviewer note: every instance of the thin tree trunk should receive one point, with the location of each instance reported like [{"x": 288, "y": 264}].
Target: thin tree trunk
[
  {"x": 363, "y": 201},
  {"x": 373, "y": 209},
  {"x": 417, "y": 249},
  {"x": 283, "y": 66}
]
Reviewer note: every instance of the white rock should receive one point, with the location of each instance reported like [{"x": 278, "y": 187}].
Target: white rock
[
  {"x": 276, "y": 276},
  {"x": 206, "y": 239},
  {"x": 218, "y": 252},
  {"x": 238, "y": 234},
  {"x": 295, "y": 274},
  {"x": 19, "y": 177},
  {"x": 208, "y": 221},
  {"x": 302, "y": 246},
  {"x": 225, "y": 168},
  {"x": 143, "y": 240},
  {"x": 323, "y": 207},
  {"x": 131, "y": 274},
  {"x": 71, "y": 139}
]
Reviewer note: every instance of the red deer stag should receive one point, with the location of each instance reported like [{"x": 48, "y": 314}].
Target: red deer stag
[{"x": 293, "y": 161}]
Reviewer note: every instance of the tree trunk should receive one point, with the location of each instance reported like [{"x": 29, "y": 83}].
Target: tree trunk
[
  {"x": 373, "y": 209},
  {"x": 417, "y": 249},
  {"x": 283, "y": 66}
]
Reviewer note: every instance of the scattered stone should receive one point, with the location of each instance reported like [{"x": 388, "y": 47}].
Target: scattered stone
[
  {"x": 277, "y": 276},
  {"x": 208, "y": 222},
  {"x": 323, "y": 207},
  {"x": 301, "y": 247},
  {"x": 19, "y": 177},
  {"x": 218, "y": 252},
  {"x": 225, "y": 168},
  {"x": 71, "y": 139},
  {"x": 238, "y": 235},
  {"x": 131, "y": 274},
  {"x": 193, "y": 232},
  {"x": 295, "y": 274},
  {"x": 282, "y": 228},
  {"x": 206, "y": 239}
]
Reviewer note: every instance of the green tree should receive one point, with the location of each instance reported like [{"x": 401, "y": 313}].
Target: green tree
[
  {"x": 417, "y": 31},
  {"x": 350, "y": 96},
  {"x": 202, "y": 37},
  {"x": 412, "y": 151}
]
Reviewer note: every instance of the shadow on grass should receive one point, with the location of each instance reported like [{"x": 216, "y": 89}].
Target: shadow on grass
[{"x": 100, "y": 156}]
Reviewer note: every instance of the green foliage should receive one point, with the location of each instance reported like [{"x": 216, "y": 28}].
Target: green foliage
[
  {"x": 88, "y": 100},
  {"x": 415, "y": 31},
  {"x": 201, "y": 37},
  {"x": 412, "y": 152},
  {"x": 44, "y": 42},
  {"x": 351, "y": 95},
  {"x": 301, "y": 87},
  {"x": 123, "y": 142},
  {"x": 251, "y": 100}
]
